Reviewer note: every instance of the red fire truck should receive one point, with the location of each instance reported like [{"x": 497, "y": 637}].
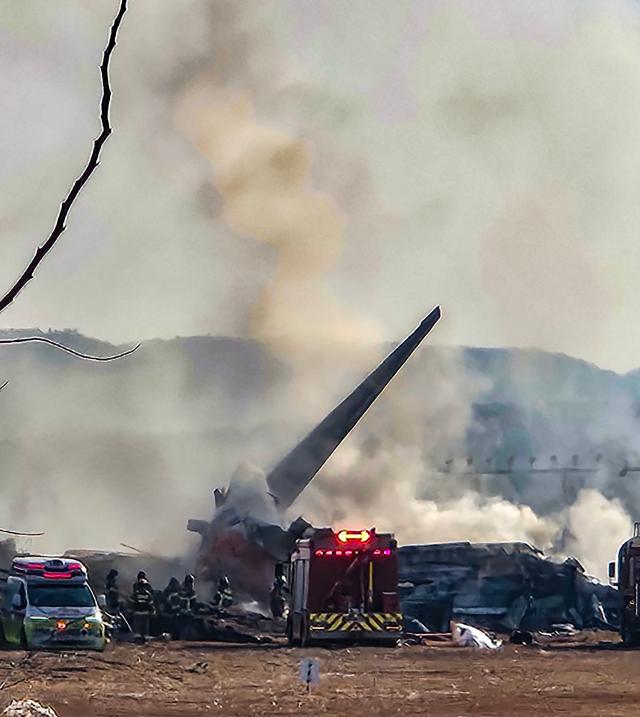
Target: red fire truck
[
  {"x": 344, "y": 587},
  {"x": 629, "y": 587}
]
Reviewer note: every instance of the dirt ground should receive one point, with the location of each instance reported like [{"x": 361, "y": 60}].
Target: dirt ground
[{"x": 592, "y": 677}]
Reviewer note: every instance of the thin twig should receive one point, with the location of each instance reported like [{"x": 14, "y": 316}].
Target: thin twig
[
  {"x": 67, "y": 349},
  {"x": 19, "y": 532},
  {"x": 94, "y": 160}
]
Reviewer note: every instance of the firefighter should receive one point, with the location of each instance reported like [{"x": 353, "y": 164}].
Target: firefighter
[
  {"x": 188, "y": 593},
  {"x": 223, "y": 597},
  {"x": 279, "y": 596},
  {"x": 112, "y": 593},
  {"x": 171, "y": 601},
  {"x": 115, "y": 621},
  {"x": 142, "y": 604}
]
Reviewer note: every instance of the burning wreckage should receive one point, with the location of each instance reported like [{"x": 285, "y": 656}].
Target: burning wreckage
[
  {"x": 246, "y": 539},
  {"x": 500, "y": 586}
]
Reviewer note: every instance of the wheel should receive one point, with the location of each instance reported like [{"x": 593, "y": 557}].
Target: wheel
[
  {"x": 304, "y": 631},
  {"x": 290, "y": 637},
  {"x": 24, "y": 644},
  {"x": 629, "y": 637}
]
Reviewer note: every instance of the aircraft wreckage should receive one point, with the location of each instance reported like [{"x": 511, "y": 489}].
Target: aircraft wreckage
[
  {"x": 504, "y": 587},
  {"x": 246, "y": 536}
]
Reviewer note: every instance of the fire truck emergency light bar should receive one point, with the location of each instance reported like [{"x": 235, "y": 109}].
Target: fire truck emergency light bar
[{"x": 354, "y": 536}]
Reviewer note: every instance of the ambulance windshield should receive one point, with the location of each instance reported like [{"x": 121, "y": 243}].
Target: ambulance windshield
[{"x": 61, "y": 596}]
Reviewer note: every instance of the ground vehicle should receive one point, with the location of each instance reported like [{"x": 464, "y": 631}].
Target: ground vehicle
[
  {"x": 629, "y": 587},
  {"x": 344, "y": 587},
  {"x": 47, "y": 603}
]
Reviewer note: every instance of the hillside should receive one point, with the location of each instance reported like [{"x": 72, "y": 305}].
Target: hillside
[{"x": 143, "y": 441}]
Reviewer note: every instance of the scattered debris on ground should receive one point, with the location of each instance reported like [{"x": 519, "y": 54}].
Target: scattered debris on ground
[
  {"x": 28, "y": 708},
  {"x": 469, "y": 636},
  {"x": 522, "y": 637}
]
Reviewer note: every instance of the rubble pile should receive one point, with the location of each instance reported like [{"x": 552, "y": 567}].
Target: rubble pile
[{"x": 500, "y": 586}]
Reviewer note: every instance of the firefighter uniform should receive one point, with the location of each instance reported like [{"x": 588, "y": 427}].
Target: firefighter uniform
[
  {"x": 188, "y": 593},
  {"x": 223, "y": 597},
  {"x": 171, "y": 601},
  {"x": 279, "y": 596},
  {"x": 112, "y": 593},
  {"x": 142, "y": 604}
]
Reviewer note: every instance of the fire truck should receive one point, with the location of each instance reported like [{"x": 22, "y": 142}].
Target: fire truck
[
  {"x": 628, "y": 584},
  {"x": 344, "y": 587}
]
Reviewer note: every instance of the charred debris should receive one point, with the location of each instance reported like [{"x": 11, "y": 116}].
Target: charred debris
[{"x": 502, "y": 587}]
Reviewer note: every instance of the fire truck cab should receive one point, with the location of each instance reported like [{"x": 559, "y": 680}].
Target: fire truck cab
[
  {"x": 628, "y": 584},
  {"x": 344, "y": 587},
  {"x": 47, "y": 603}
]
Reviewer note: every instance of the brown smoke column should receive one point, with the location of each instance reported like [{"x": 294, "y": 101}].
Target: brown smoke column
[{"x": 264, "y": 178}]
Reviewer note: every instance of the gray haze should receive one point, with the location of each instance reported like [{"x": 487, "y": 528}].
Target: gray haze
[
  {"x": 312, "y": 178},
  {"x": 127, "y": 452},
  {"x": 482, "y": 154}
]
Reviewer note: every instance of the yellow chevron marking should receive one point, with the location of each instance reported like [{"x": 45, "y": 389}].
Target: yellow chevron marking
[{"x": 335, "y": 621}]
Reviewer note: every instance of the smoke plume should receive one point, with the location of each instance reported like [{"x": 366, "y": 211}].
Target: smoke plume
[{"x": 314, "y": 180}]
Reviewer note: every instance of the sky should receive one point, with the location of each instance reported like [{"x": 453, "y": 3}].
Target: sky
[{"x": 479, "y": 154}]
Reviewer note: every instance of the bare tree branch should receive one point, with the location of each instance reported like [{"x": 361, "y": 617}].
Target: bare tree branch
[
  {"x": 67, "y": 349},
  {"x": 19, "y": 532},
  {"x": 94, "y": 161}
]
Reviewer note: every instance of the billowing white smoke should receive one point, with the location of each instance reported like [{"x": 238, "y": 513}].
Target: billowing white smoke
[
  {"x": 381, "y": 492},
  {"x": 597, "y": 527},
  {"x": 248, "y": 495}
]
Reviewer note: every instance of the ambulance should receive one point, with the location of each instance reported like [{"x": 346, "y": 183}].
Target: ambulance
[{"x": 46, "y": 603}]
